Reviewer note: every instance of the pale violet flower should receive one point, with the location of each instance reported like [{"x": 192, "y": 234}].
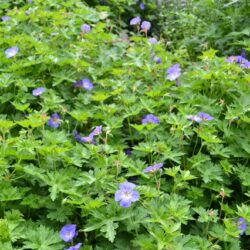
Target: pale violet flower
[
  {"x": 38, "y": 91},
  {"x": 152, "y": 40},
  {"x": 173, "y": 72},
  {"x": 85, "y": 28},
  {"x": 126, "y": 194},
  {"x": 11, "y": 52},
  {"x": 153, "y": 168},
  {"x": 5, "y": 18},
  {"x": 145, "y": 26},
  {"x": 135, "y": 21}
]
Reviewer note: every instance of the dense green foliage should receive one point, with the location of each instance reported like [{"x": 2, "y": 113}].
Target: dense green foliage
[{"x": 49, "y": 179}]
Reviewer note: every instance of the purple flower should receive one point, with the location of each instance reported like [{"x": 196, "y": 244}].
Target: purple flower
[
  {"x": 242, "y": 225},
  {"x": 128, "y": 152},
  {"x": 158, "y": 60},
  {"x": 194, "y": 118},
  {"x": 135, "y": 21},
  {"x": 5, "y": 18},
  {"x": 243, "y": 62},
  {"x": 54, "y": 121},
  {"x": 11, "y": 52},
  {"x": 85, "y": 28},
  {"x": 152, "y": 40},
  {"x": 86, "y": 84},
  {"x": 153, "y": 168},
  {"x": 142, "y": 6},
  {"x": 38, "y": 91},
  {"x": 97, "y": 130},
  {"x": 126, "y": 194},
  {"x": 76, "y": 247},
  {"x": 87, "y": 139},
  {"x": 78, "y": 84},
  {"x": 145, "y": 26},
  {"x": 173, "y": 72},
  {"x": 205, "y": 117},
  {"x": 246, "y": 65},
  {"x": 83, "y": 139},
  {"x": 68, "y": 232},
  {"x": 150, "y": 119}
]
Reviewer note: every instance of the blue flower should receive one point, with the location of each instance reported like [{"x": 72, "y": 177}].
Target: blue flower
[
  {"x": 5, "y": 18},
  {"x": 75, "y": 247},
  {"x": 205, "y": 116},
  {"x": 85, "y": 28},
  {"x": 83, "y": 139},
  {"x": 152, "y": 40},
  {"x": 54, "y": 121},
  {"x": 158, "y": 60},
  {"x": 126, "y": 194},
  {"x": 145, "y": 26},
  {"x": 97, "y": 130},
  {"x": 142, "y": 6},
  {"x": 135, "y": 21},
  {"x": 11, "y": 52},
  {"x": 38, "y": 91},
  {"x": 200, "y": 117},
  {"x": 84, "y": 83},
  {"x": 173, "y": 72},
  {"x": 89, "y": 138},
  {"x": 243, "y": 62},
  {"x": 128, "y": 152},
  {"x": 78, "y": 84},
  {"x": 242, "y": 225},
  {"x": 194, "y": 118},
  {"x": 150, "y": 119},
  {"x": 153, "y": 168},
  {"x": 68, "y": 232}
]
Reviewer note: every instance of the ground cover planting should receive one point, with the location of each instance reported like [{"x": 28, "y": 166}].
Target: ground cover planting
[{"x": 116, "y": 133}]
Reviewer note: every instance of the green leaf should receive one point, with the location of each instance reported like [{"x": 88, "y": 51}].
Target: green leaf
[{"x": 110, "y": 229}]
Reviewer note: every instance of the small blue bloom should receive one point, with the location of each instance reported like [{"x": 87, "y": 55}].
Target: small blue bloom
[
  {"x": 68, "y": 232},
  {"x": 77, "y": 136},
  {"x": 135, "y": 21},
  {"x": 75, "y": 247},
  {"x": 243, "y": 62},
  {"x": 5, "y": 18},
  {"x": 158, "y": 60},
  {"x": 194, "y": 118},
  {"x": 54, "y": 121},
  {"x": 150, "y": 119},
  {"x": 97, "y": 130},
  {"x": 86, "y": 84},
  {"x": 205, "y": 117},
  {"x": 126, "y": 194},
  {"x": 11, "y": 52},
  {"x": 242, "y": 225},
  {"x": 38, "y": 91},
  {"x": 128, "y": 152},
  {"x": 85, "y": 28},
  {"x": 89, "y": 138},
  {"x": 142, "y": 6},
  {"x": 173, "y": 72},
  {"x": 145, "y": 26},
  {"x": 78, "y": 84},
  {"x": 152, "y": 40},
  {"x": 153, "y": 168}
]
